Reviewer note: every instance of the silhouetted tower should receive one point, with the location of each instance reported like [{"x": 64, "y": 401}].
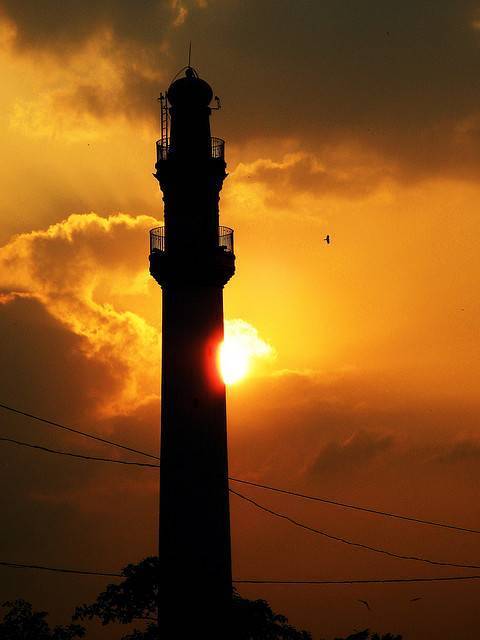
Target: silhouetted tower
[{"x": 192, "y": 258}]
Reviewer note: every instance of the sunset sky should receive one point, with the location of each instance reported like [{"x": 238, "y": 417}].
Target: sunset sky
[{"x": 356, "y": 119}]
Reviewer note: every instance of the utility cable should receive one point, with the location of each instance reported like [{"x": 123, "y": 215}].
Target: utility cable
[
  {"x": 253, "y": 502},
  {"x": 78, "y": 432},
  {"x": 39, "y": 567},
  {"x": 329, "y": 501},
  {"x": 360, "y": 581},
  {"x": 86, "y": 572},
  {"x": 346, "y": 505},
  {"x": 351, "y": 542},
  {"x": 78, "y": 455}
]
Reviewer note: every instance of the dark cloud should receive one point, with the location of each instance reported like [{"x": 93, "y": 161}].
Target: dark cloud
[
  {"x": 303, "y": 173},
  {"x": 463, "y": 452},
  {"x": 62, "y": 26},
  {"x": 134, "y": 99},
  {"x": 398, "y": 79},
  {"x": 43, "y": 365},
  {"x": 131, "y": 36},
  {"x": 348, "y": 455}
]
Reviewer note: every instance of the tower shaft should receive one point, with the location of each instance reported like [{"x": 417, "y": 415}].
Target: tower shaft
[{"x": 194, "y": 511}]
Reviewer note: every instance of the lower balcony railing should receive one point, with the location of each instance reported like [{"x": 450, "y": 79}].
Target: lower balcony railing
[{"x": 157, "y": 239}]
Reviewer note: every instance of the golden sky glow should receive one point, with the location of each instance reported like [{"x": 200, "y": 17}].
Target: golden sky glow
[{"x": 359, "y": 361}]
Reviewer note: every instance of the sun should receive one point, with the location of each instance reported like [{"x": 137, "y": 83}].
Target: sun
[
  {"x": 241, "y": 346},
  {"x": 234, "y": 361}
]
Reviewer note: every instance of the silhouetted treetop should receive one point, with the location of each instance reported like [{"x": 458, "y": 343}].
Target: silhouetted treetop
[
  {"x": 20, "y": 622},
  {"x": 367, "y": 635},
  {"x": 255, "y": 620},
  {"x": 133, "y": 598},
  {"x": 136, "y": 597}
]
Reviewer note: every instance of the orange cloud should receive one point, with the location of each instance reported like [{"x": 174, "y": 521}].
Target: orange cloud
[
  {"x": 64, "y": 266},
  {"x": 338, "y": 171}
]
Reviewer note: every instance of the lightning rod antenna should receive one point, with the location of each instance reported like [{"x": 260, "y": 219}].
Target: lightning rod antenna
[{"x": 189, "y": 53}]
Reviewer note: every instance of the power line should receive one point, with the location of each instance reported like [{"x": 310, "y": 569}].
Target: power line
[
  {"x": 39, "y": 567},
  {"x": 78, "y": 455},
  {"x": 347, "y": 505},
  {"x": 77, "y": 431},
  {"x": 251, "y": 501},
  {"x": 336, "y": 503},
  {"x": 361, "y": 581},
  {"x": 87, "y": 572},
  {"x": 352, "y": 543}
]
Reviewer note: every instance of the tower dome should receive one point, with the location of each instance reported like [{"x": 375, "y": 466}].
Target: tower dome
[{"x": 190, "y": 91}]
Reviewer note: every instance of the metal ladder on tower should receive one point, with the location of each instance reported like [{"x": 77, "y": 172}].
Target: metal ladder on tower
[{"x": 164, "y": 122}]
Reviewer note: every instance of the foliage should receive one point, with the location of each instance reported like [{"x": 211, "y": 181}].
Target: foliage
[
  {"x": 366, "y": 635},
  {"x": 20, "y": 622},
  {"x": 136, "y": 598},
  {"x": 255, "y": 620}
]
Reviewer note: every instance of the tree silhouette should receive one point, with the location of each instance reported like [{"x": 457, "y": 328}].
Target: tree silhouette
[
  {"x": 255, "y": 620},
  {"x": 20, "y": 622},
  {"x": 136, "y": 597},
  {"x": 366, "y": 635}
]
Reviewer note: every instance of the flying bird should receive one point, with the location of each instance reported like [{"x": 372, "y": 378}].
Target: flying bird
[
  {"x": 327, "y": 239},
  {"x": 365, "y": 603},
  {"x": 415, "y": 599}
]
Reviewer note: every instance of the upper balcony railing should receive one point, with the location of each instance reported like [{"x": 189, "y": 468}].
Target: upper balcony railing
[
  {"x": 216, "y": 149},
  {"x": 225, "y": 238},
  {"x": 157, "y": 239}
]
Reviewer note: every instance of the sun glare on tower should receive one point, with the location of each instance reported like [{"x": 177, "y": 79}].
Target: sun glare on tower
[{"x": 240, "y": 348}]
